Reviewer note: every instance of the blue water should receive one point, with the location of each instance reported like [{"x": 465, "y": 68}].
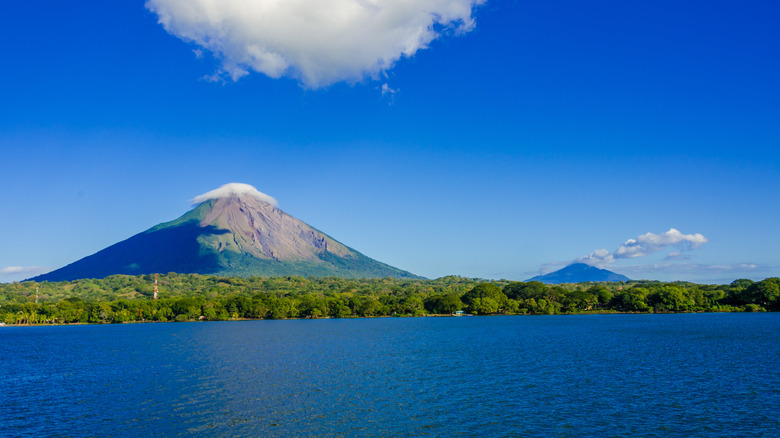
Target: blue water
[{"x": 600, "y": 375}]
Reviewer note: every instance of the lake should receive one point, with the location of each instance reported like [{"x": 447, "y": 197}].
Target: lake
[{"x": 578, "y": 375}]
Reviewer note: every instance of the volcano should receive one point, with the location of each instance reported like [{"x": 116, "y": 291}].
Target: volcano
[
  {"x": 233, "y": 231},
  {"x": 578, "y": 273}
]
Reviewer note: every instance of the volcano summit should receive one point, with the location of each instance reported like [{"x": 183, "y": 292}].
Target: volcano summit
[{"x": 233, "y": 231}]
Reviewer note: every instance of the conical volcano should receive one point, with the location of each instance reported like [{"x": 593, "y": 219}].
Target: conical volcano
[
  {"x": 233, "y": 231},
  {"x": 578, "y": 273}
]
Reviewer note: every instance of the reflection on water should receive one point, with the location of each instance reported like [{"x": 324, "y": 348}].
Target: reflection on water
[{"x": 605, "y": 375}]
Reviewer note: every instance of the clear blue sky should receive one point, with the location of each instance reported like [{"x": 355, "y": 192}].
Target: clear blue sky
[{"x": 549, "y": 130}]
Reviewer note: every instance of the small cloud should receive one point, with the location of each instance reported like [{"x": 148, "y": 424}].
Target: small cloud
[
  {"x": 214, "y": 78},
  {"x": 737, "y": 267},
  {"x": 23, "y": 271},
  {"x": 315, "y": 42},
  {"x": 388, "y": 93},
  {"x": 674, "y": 266},
  {"x": 646, "y": 244},
  {"x": 642, "y": 246},
  {"x": 234, "y": 189},
  {"x": 649, "y": 243},
  {"x": 387, "y": 90},
  {"x": 550, "y": 267},
  {"x": 720, "y": 274},
  {"x": 198, "y": 53},
  {"x": 599, "y": 258},
  {"x": 677, "y": 255}
]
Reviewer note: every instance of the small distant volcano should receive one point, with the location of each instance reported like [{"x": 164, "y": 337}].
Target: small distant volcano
[
  {"x": 578, "y": 273},
  {"x": 233, "y": 231}
]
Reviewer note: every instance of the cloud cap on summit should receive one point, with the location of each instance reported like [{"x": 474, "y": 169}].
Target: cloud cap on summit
[{"x": 234, "y": 189}]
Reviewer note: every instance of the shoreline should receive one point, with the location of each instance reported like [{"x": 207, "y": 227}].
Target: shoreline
[{"x": 363, "y": 317}]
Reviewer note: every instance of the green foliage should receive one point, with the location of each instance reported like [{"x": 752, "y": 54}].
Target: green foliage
[
  {"x": 123, "y": 298},
  {"x": 602, "y": 294},
  {"x": 632, "y": 300},
  {"x": 525, "y": 291},
  {"x": 669, "y": 298},
  {"x": 443, "y": 304},
  {"x": 484, "y": 298},
  {"x": 765, "y": 293}
]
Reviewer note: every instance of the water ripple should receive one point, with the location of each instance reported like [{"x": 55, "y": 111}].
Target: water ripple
[{"x": 566, "y": 376}]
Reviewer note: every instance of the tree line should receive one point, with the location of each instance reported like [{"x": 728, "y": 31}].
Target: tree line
[{"x": 189, "y": 297}]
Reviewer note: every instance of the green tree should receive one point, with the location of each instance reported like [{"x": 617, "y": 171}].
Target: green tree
[
  {"x": 631, "y": 300},
  {"x": 738, "y": 292},
  {"x": 765, "y": 293},
  {"x": 578, "y": 300},
  {"x": 602, "y": 294},
  {"x": 443, "y": 304},
  {"x": 483, "y": 306},
  {"x": 526, "y": 290},
  {"x": 484, "y": 291},
  {"x": 412, "y": 305}
]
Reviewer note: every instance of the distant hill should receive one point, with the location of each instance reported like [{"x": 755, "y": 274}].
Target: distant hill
[
  {"x": 234, "y": 231},
  {"x": 578, "y": 273}
]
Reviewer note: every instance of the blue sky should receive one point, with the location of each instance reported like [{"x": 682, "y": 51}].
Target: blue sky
[{"x": 543, "y": 132}]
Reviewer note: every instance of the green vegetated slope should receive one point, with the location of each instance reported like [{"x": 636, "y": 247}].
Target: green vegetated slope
[
  {"x": 232, "y": 264},
  {"x": 123, "y": 298}
]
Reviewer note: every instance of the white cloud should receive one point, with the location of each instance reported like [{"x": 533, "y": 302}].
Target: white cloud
[
  {"x": 696, "y": 269},
  {"x": 317, "y": 42},
  {"x": 692, "y": 268},
  {"x": 19, "y": 271},
  {"x": 388, "y": 93},
  {"x": 644, "y": 245},
  {"x": 677, "y": 255},
  {"x": 599, "y": 257},
  {"x": 387, "y": 90},
  {"x": 550, "y": 267},
  {"x": 740, "y": 267},
  {"x": 649, "y": 243},
  {"x": 237, "y": 189},
  {"x": 714, "y": 274},
  {"x": 674, "y": 266}
]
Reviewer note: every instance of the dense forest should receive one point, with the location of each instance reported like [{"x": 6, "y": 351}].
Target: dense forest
[{"x": 123, "y": 298}]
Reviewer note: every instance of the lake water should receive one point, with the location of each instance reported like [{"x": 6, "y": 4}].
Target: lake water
[{"x": 597, "y": 375}]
